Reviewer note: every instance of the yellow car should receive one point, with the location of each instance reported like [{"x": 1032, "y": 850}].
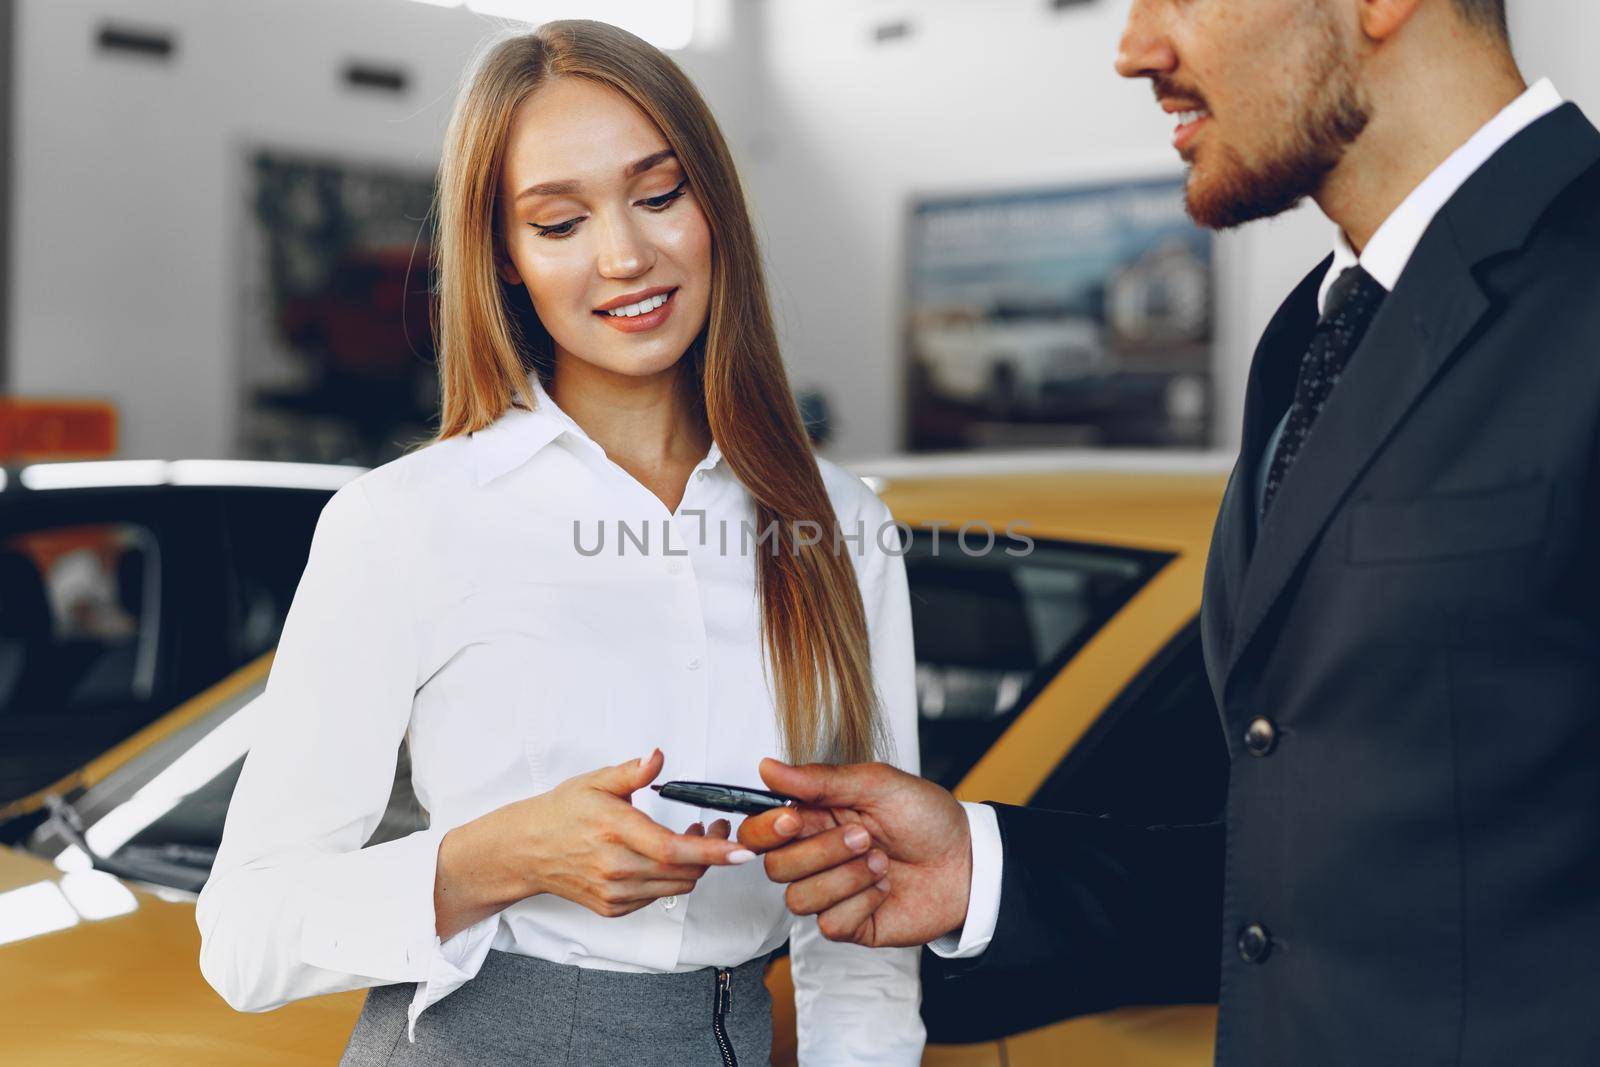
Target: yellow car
[{"x": 1058, "y": 665}]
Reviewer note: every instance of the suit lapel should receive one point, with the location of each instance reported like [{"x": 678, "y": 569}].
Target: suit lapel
[
  {"x": 1436, "y": 305},
  {"x": 1394, "y": 366},
  {"x": 1286, "y": 335}
]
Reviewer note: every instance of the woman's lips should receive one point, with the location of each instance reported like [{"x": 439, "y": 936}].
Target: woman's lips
[{"x": 648, "y": 320}]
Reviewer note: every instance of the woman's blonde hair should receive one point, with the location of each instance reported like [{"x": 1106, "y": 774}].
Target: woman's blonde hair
[{"x": 488, "y": 339}]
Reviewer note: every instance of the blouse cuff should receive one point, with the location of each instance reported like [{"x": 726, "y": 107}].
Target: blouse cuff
[
  {"x": 382, "y": 923},
  {"x": 454, "y": 963}
]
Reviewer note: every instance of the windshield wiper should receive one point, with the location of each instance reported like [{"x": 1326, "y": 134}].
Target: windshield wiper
[{"x": 159, "y": 869}]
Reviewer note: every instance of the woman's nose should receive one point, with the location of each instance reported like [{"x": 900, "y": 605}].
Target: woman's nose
[{"x": 623, "y": 251}]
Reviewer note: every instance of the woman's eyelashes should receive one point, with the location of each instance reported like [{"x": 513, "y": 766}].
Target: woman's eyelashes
[{"x": 556, "y": 231}]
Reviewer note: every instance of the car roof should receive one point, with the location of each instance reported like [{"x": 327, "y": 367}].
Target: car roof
[
  {"x": 124, "y": 473},
  {"x": 1160, "y": 501}
]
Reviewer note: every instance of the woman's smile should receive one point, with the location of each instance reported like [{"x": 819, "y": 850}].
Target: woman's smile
[{"x": 638, "y": 312}]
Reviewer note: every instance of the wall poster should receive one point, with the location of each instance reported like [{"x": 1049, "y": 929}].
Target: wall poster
[
  {"x": 337, "y": 361},
  {"x": 1078, "y": 316}
]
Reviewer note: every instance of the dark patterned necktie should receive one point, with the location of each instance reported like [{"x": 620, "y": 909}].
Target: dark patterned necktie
[{"x": 1352, "y": 302}]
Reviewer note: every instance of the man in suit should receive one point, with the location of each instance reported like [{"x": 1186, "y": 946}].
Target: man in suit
[{"x": 1401, "y": 616}]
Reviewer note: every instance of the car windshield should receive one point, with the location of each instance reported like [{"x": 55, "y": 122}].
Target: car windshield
[
  {"x": 159, "y": 817},
  {"x": 991, "y": 630},
  {"x": 178, "y": 777}
]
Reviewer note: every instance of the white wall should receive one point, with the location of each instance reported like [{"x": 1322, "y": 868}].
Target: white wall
[
  {"x": 130, "y": 179},
  {"x": 984, "y": 96},
  {"x": 128, "y": 175},
  {"x": 1556, "y": 39}
]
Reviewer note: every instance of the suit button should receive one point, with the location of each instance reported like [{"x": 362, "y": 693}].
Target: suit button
[
  {"x": 1255, "y": 944},
  {"x": 1261, "y": 737}
]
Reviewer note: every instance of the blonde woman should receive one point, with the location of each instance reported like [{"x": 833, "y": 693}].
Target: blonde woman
[{"x": 619, "y": 562}]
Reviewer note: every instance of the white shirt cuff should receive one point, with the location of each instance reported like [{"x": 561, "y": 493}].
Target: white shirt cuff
[
  {"x": 983, "y": 901},
  {"x": 455, "y": 963},
  {"x": 450, "y": 964},
  {"x": 381, "y": 924}
]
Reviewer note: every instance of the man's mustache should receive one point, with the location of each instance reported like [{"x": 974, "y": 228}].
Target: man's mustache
[{"x": 1167, "y": 89}]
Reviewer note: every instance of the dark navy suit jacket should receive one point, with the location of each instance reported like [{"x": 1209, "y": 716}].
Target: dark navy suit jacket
[{"x": 1410, "y": 873}]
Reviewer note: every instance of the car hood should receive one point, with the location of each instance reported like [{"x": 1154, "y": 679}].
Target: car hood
[{"x": 127, "y": 988}]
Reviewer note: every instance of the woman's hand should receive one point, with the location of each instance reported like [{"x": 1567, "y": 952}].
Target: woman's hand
[{"x": 582, "y": 841}]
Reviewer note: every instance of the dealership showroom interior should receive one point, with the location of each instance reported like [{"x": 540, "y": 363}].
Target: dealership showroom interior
[{"x": 1074, "y": 522}]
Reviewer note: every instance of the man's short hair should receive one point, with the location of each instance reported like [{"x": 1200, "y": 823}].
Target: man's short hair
[{"x": 1489, "y": 14}]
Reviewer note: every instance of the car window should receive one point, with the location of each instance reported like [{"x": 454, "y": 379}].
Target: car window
[
  {"x": 269, "y": 538},
  {"x": 1157, "y": 755},
  {"x": 993, "y": 627},
  {"x": 79, "y": 629}
]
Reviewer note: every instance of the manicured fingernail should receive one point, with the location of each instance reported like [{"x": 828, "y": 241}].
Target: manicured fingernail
[
  {"x": 647, "y": 757},
  {"x": 884, "y": 885},
  {"x": 786, "y": 824},
  {"x": 877, "y": 862},
  {"x": 741, "y": 855},
  {"x": 857, "y": 838}
]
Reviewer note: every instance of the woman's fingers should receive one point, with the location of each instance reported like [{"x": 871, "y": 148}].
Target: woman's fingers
[
  {"x": 625, "y": 778},
  {"x": 656, "y": 888},
  {"x": 718, "y": 831},
  {"x": 820, "y": 892},
  {"x": 619, "y": 863},
  {"x": 656, "y": 842}
]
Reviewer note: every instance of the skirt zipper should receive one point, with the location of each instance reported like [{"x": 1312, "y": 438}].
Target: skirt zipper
[{"x": 719, "y": 1012}]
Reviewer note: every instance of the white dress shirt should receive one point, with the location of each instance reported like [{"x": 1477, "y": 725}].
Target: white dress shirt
[
  {"x": 452, "y": 597},
  {"x": 1385, "y": 258}
]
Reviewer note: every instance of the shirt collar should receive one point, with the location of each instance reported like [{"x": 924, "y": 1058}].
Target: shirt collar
[
  {"x": 1391, "y": 247},
  {"x": 519, "y": 434}
]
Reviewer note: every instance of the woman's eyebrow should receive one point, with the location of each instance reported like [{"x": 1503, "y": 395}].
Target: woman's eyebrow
[
  {"x": 562, "y": 188},
  {"x": 640, "y": 166}
]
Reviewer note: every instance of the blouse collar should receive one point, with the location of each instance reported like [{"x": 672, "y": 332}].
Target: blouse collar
[{"x": 519, "y": 434}]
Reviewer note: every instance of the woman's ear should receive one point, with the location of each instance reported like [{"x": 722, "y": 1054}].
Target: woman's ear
[
  {"x": 502, "y": 263},
  {"x": 507, "y": 270}
]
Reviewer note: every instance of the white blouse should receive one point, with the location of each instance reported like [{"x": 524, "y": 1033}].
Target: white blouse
[{"x": 455, "y": 597}]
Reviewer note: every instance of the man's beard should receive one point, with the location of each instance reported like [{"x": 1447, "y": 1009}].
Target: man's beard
[{"x": 1330, "y": 119}]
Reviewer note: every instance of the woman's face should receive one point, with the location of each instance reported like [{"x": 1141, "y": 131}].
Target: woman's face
[{"x": 601, "y": 227}]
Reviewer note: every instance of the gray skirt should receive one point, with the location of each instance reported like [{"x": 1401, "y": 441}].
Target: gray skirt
[{"x": 532, "y": 1012}]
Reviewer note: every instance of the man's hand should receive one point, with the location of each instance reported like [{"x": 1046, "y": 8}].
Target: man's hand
[{"x": 909, "y": 889}]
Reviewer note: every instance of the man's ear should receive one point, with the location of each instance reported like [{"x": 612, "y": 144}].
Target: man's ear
[{"x": 1382, "y": 19}]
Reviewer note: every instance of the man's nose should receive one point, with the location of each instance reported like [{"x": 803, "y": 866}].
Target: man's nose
[
  {"x": 623, "y": 252},
  {"x": 1145, "y": 51}
]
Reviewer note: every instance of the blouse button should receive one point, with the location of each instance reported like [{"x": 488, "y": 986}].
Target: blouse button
[
  {"x": 694, "y": 665},
  {"x": 674, "y": 567},
  {"x": 669, "y": 902},
  {"x": 700, "y": 475}
]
